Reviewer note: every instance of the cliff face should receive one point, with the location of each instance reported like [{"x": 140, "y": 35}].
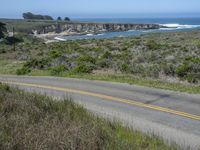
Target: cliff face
[{"x": 94, "y": 27}]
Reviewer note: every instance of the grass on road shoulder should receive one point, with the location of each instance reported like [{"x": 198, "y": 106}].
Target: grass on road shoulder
[
  {"x": 9, "y": 66},
  {"x": 122, "y": 78},
  {"x": 31, "y": 121},
  {"x": 194, "y": 89}
]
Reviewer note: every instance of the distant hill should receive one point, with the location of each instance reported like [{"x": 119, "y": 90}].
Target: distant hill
[{"x": 30, "y": 15}]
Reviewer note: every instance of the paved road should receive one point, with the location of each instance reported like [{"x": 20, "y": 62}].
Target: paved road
[{"x": 171, "y": 115}]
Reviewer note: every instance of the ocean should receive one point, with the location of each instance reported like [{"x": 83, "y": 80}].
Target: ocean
[{"x": 179, "y": 24}]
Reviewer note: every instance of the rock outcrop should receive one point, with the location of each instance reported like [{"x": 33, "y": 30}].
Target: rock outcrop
[{"x": 94, "y": 27}]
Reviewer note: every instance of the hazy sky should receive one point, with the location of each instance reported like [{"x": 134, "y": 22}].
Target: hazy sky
[{"x": 101, "y": 8}]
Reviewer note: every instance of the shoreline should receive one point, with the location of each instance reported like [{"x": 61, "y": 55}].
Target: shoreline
[
  {"x": 53, "y": 37},
  {"x": 56, "y": 37},
  {"x": 56, "y": 31}
]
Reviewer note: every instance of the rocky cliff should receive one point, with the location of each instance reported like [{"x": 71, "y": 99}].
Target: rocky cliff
[{"x": 94, "y": 27}]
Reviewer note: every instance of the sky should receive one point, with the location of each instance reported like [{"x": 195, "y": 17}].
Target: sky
[{"x": 101, "y": 8}]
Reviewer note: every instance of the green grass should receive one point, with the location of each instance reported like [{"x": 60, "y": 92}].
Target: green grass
[
  {"x": 123, "y": 78},
  {"x": 147, "y": 60},
  {"x": 195, "y": 89},
  {"x": 10, "y": 66},
  {"x": 21, "y": 25},
  {"x": 31, "y": 121}
]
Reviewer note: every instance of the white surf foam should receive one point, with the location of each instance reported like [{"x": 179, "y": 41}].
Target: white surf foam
[
  {"x": 89, "y": 34},
  {"x": 59, "y": 39},
  {"x": 179, "y": 26}
]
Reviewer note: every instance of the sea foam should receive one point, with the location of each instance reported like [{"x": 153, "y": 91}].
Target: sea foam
[
  {"x": 89, "y": 34},
  {"x": 59, "y": 39},
  {"x": 179, "y": 26}
]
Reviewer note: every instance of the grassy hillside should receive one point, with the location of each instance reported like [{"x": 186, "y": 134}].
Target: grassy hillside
[
  {"x": 162, "y": 60},
  {"x": 31, "y": 121},
  {"x": 26, "y": 26}
]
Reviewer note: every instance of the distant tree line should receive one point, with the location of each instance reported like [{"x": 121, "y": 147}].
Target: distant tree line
[
  {"x": 30, "y": 15},
  {"x": 65, "y": 19}
]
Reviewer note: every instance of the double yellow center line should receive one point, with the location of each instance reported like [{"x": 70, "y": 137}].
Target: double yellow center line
[{"x": 111, "y": 98}]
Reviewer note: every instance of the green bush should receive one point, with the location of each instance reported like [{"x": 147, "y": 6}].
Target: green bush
[
  {"x": 83, "y": 68},
  {"x": 58, "y": 69},
  {"x": 191, "y": 78},
  {"x": 182, "y": 70},
  {"x": 107, "y": 55},
  {"x": 152, "y": 45},
  {"x": 87, "y": 58},
  {"x": 198, "y": 45},
  {"x": 189, "y": 71},
  {"x": 193, "y": 59},
  {"x": 124, "y": 68},
  {"x": 23, "y": 71},
  {"x": 34, "y": 63},
  {"x": 126, "y": 46},
  {"x": 55, "y": 53},
  {"x": 13, "y": 40},
  {"x": 136, "y": 41},
  {"x": 103, "y": 63}
]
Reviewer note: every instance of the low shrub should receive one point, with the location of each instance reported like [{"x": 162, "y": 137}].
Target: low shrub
[
  {"x": 198, "y": 45},
  {"x": 136, "y": 41},
  {"x": 189, "y": 71},
  {"x": 182, "y": 70},
  {"x": 40, "y": 64},
  {"x": 125, "y": 68},
  {"x": 83, "y": 68},
  {"x": 23, "y": 71},
  {"x": 58, "y": 69},
  {"x": 168, "y": 69},
  {"x": 103, "y": 63},
  {"x": 13, "y": 40},
  {"x": 107, "y": 55},
  {"x": 55, "y": 53},
  {"x": 152, "y": 45},
  {"x": 190, "y": 78},
  {"x": 87, "y": 58}
]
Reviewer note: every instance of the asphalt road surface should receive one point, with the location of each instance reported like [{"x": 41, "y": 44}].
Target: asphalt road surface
[{"x": 174, "y": 116}]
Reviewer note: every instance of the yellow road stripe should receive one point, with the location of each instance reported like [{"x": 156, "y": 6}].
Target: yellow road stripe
[{"x": 111, "y": 98}]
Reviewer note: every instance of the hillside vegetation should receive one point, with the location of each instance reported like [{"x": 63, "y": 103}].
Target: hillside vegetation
[
  {"x": 28, "y": 25},
  {"x": 161, "y": 57},
  {"x": 31, "y": 121}
]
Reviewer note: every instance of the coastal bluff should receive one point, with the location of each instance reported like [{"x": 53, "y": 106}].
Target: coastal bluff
[{"x": 93, "y": 27}]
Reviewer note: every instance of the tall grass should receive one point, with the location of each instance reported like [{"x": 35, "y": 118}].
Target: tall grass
[{"x": 31, "y": 121}]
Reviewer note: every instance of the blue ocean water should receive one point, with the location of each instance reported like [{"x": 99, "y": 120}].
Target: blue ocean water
[
  {"x": 178, "y": 24},
  {"x": 181, "y": 21}
]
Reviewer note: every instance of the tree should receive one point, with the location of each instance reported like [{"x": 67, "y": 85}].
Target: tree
[
  {"x": 67, "y": 19},
  {"x": 2, "y": 30},
  {"x": 59, "y": 18},
  {"x": 29, "y": 15}
]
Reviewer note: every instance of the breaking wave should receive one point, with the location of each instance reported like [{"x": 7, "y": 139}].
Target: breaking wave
[
  {"x": 180, "y": 26},
  {"x": 59, "y": 39}
]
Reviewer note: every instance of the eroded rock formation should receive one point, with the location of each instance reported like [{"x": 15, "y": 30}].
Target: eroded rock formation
[{"x": 94, "y": 27}]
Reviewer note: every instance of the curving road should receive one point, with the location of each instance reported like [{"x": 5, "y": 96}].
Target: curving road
[{"x": 171, "y": 115}]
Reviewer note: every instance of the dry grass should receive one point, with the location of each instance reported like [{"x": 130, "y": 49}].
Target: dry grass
[{"x": 31, "y": 121}]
